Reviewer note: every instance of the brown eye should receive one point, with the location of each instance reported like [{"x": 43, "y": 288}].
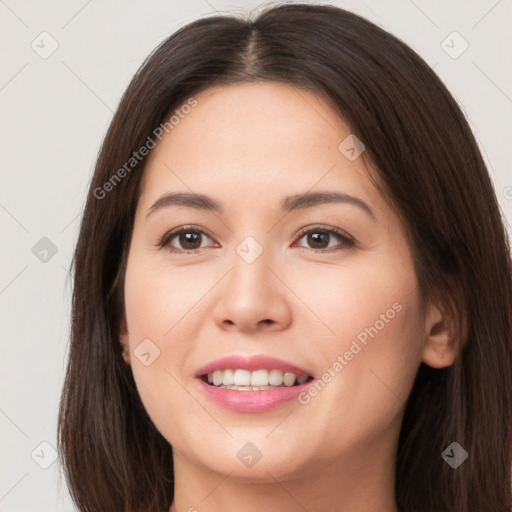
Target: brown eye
[
  {"x": 189, "y": 239},
  {"x": 184, "y": 239},
  {"x": 319, "y": 239}
]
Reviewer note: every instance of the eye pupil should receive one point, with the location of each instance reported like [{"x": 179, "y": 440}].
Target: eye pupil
[
  {"x": 189, "y": 237},
  {"x": 315, "y": 237}
]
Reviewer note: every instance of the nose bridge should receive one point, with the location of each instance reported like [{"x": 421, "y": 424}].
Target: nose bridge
[
  {"x": 252, "y": 295},
  {"x": 250, "y": 275}
]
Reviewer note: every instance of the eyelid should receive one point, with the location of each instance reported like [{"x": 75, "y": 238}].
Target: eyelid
[
  {"x": 346, "y": 238},
  {"x": 169, "y": 235},
  {"x": 323, "y": 227}
]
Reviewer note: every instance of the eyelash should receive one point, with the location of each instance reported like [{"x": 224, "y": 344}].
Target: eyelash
[{"x": 347, "y": 241}]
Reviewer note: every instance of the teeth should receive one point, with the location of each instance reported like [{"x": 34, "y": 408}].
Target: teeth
[
  {"x": 301, "y": 379},
  {"x": 242, "y": 378},
  {"x": 259, "y": 378},
  {"x": 275, "y": 377},
  {"x": 248, "y": 388},
  {"x": 228, "y": 378},
  {"x": 217, "y": 377},
  {"x": 245, "y": 380},
  {"x": 289, "y": 379}
]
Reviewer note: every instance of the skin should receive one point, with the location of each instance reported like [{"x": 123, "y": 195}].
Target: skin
[{"x": 247, "y": 146}]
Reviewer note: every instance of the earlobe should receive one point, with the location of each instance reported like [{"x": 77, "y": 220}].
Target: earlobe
[
  {"x": 124, "y": 341},
  {"x": 443, "y": 340}
]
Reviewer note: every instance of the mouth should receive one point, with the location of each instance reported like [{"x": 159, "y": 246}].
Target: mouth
[
  {"x": 240, "y": 379},
  {"x": 252, "y": 383}
]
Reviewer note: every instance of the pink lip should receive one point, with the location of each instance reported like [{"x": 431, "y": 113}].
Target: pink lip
[
  {"x": 258, "y": 362},
  {"x": 251, "y": 401}
]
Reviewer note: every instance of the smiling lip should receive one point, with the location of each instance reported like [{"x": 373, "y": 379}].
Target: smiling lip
[
  {"x": 259, "y": 362},
  {"x": 255, "y": 400}
]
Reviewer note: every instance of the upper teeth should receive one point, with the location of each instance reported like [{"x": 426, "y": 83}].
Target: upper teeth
[{"x": 257, "y": 378}]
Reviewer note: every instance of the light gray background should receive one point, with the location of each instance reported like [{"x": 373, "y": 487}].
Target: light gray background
[{"x": 54, "y": 114}]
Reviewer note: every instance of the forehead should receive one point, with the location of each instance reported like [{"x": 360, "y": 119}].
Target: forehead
[{"x": 256, "y": 138}]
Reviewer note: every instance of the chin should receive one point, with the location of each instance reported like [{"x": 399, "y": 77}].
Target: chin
[{"x": 253, "y": 458}]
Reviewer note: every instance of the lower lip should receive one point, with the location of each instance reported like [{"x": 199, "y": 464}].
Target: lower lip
[{"x": 252, "y": 401}]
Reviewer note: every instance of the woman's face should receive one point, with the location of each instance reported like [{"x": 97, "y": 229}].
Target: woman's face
[{"x": 265, "y": 275}]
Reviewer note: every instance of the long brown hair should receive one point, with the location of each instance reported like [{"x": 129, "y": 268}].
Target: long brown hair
[{"x": 434, "y": 175}]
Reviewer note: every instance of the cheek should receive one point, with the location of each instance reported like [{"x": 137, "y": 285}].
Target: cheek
[
  {"x": 370, "y": 347},
  {"x": 158, "y": 310},
  {"x": 160, "y": 301},
  {"x": 372, "y": 299},
  {"x": 376, "y": 372}
]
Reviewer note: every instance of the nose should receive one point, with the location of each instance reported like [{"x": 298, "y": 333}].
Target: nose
[{"x": 253, "y": 297}]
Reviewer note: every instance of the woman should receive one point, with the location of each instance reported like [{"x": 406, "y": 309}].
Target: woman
[{"x": 292, "y": 283}]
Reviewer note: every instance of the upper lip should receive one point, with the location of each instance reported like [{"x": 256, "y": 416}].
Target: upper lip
[{"x": 254, "y": 362}]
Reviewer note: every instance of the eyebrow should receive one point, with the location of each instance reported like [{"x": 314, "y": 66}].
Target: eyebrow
[{"x": 288, "y": 204}]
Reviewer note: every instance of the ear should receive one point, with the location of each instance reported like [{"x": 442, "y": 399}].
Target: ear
[
  {"x": 444, "y": 337},
  {"x": 124, "y": 340}
]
